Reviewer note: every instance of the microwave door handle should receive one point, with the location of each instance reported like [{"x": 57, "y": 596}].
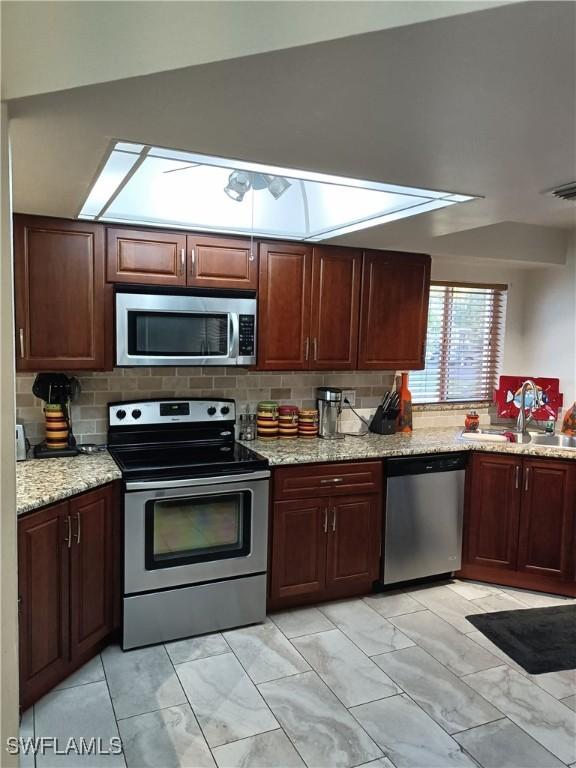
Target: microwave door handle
[{"x": 234, "y": 335}]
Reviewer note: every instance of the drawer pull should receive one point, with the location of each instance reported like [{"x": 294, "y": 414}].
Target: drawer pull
[
  {"x": 331, "y": 480},
  {"x": 68, "y": 539},
  {"x": 326, "y": 520},
  {"x": 78, "y": 528},
  {"x": 334, "y": 510}
]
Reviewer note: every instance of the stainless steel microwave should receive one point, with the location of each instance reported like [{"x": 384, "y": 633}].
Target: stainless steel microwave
[{"x": 184, "y": 328}]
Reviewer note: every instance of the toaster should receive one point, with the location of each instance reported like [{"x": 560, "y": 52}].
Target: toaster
[{"x": 20, "y": 443}]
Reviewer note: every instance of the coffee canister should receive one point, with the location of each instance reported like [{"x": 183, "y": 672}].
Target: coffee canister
[
  {"x": 57, "y": 430},
  {"x": 308, "y": 422},
  {"x": 267, "y": 419},
  {"x": 288, "y": 421}
]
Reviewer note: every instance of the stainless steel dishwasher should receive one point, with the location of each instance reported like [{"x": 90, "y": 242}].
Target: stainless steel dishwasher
[{"x": 423, "y": 518}]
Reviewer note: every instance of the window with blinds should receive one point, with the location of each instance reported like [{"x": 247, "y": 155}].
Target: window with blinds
[{"x": 464, "y": 343}]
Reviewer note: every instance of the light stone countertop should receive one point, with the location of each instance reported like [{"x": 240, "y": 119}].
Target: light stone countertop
[
  {"x": 44, "y": 481},
  {"x": 425, "y": 441}
]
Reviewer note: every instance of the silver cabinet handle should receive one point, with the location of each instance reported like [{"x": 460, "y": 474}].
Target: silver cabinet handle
[
  {"x": 78, "y": 528},
  {"x": 526, "y": 480},
  {"x": 193, "y": 260},
  {"x": 307, "y": 348},
  {"x": 315, "y": 348},
  {"x": 326, "y": 520},
  {"x": 517, "y": 476},
  {"x": 21, "y": 336},
  {"x": 334, "y": 510},
  {"x": 68, "y": 539},
  {"x": 182, "y": 260},
  {"x": 331, "y": 480}
]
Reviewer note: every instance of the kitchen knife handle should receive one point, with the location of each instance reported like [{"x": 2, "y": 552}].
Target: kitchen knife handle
[{"x": 21, "y": 337}]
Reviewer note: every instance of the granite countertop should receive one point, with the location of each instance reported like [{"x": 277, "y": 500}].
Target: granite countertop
[
  {"x": 44, "y": 481},
  {"x": 304, "y": 451}
]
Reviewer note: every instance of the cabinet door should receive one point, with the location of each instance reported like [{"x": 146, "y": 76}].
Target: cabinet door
[
  {"x": 491, "y": 520},
  {"x": 43, "y": 584},
  {"x": 353, "y": 556},
  {"x": 146, "y": 256},
  {"x": 59, "y": 283},
  {"x": 284, "y": 306},
  {"x": 218, "y": 262},
  {"x": 91, "y": 569},
  {"x": 298, "y": 548},
  {"x": 335, "y": 308},
  {"x": 394, "y": 311},
  {"x": 546, "y": 541}
]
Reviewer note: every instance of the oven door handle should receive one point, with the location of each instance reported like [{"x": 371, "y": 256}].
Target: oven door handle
[{"x": 167, "y": 484}]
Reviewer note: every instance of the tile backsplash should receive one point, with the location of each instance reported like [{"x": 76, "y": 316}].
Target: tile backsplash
[{"x": 89, "y": 413}]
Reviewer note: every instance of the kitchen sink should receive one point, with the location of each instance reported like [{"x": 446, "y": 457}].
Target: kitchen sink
[{"x": 554, "y": 441}]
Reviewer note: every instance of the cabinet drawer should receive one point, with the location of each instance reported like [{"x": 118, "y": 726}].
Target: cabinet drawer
[{"x": 327, "y": 480}]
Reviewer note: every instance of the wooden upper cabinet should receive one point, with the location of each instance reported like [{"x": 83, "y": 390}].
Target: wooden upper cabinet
[
  {"x": 546, "y": 541},
  {"x": 336, "y": 274},
  {"x": 394, "y": 311},
  {"x": 284, "y": 306},
  {"x": 218, "y": 262},
  {"x": 146, "y": 256},
  {"x": 492, "y": 517},
  {"x": 60, "y": 290},
  {"x": 43, "y": 588}
]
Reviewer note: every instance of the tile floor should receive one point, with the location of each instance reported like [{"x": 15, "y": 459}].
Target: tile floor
[{"x": 400, "y": 679}]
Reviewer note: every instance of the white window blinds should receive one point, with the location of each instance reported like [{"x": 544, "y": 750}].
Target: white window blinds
[{"x": 464, "y": 343}]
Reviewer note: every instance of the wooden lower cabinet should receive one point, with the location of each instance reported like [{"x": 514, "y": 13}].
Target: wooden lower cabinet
[
  {"x": 520, "y": 523},
  {"x": 546, "y": 545},
  {"x": 299, "y": 548},
  {"x": 353, "y": 544},
  {"x": 324, "y": 547},
  {"x": 68, "y": 560}
]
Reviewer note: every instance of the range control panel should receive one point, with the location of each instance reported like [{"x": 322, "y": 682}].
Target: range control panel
[
  {"x": 246, "y": 333},
  {"x": 168, "y": 411}
]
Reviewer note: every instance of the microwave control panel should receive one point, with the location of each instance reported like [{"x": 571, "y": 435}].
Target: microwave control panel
[{"x": 246, "y": 332}]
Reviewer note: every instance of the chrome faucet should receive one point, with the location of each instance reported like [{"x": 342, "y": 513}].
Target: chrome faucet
[{"x": 523, "y": 420}]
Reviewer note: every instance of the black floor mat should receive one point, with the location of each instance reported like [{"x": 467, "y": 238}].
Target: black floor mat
[{"x": 539, "y": 639}]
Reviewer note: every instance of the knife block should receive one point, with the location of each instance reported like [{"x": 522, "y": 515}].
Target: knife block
[{"x": 382, "y": 424}]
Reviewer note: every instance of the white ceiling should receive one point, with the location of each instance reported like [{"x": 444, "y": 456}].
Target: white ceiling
[
  {"x": 91, "y": 41},
  {"x": 482, "y": 103}
]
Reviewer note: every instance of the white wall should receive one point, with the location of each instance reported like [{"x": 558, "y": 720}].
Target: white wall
[
  {"x": 8, "y": 570},
  {"x": 549, "y": 324}
]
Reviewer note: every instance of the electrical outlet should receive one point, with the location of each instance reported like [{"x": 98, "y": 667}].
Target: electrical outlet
[{"x": 350, "y": 395}]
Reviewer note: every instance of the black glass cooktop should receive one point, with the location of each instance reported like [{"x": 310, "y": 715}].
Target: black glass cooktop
[{"x": 182, "y": 460}]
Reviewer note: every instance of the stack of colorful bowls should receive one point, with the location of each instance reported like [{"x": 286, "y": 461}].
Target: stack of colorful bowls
[
  {"x": 308, "y": 422},
  {"x": 267, "y": 419},
  {"x": 288, "y": 421}
]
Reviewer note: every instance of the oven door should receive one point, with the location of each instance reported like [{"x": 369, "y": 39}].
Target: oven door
[
  {"x": 169, "y": 329},
  {"x": 194, "y": 531}
]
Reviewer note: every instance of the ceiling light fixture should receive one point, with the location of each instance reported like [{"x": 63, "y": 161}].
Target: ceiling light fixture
[{"x": 240, "y": 182}]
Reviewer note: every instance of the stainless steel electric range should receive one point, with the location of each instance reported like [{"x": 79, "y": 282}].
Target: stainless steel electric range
[{"x": 195, "y": 519}]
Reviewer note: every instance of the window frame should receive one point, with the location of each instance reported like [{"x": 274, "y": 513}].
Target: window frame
[{"x": 496, "y": 334}]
